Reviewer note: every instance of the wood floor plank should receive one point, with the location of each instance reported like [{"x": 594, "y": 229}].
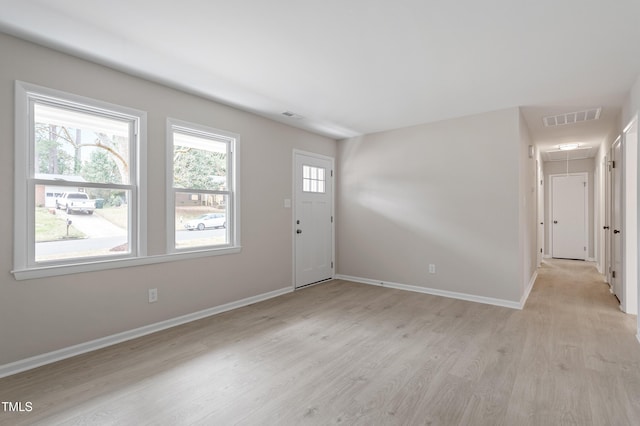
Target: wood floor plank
[{"x": 350, "y": 354}]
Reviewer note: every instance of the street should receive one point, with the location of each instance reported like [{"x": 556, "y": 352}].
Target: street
[{"x": 101, "y": 245}]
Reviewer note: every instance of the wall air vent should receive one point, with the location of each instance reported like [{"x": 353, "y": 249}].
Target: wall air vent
[
  {"x": 572, "y": 117},
  {"x": 292, "y": 115}
]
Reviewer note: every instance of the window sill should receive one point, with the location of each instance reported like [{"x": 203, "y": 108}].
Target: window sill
[{"x": 52, "y": 271}]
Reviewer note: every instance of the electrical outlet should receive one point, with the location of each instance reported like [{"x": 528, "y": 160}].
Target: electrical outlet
[
  {"x": 153, "y": 295},
  {"x": 432, "y": 268}
]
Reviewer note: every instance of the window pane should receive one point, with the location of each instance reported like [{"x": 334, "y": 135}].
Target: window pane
[
  {"x": 314, "y": 181},
  {"x": 199, "y": 163},
  {"x": 80, "y": 146},
  {"x": 86, "y": 222},
  {"x": 201, "y": 220}
]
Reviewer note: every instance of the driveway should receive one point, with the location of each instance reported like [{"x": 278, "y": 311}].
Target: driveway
[{"x": 94, "y": 226}]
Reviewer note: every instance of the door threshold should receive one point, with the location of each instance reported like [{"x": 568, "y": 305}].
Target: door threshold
[{"x": 313, "y": 283}]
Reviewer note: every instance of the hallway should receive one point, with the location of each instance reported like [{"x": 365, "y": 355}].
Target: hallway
[{"x": 581, "y": 351}]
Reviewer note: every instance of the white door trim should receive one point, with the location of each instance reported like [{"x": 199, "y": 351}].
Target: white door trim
[
  {"x": 630, "y": 202},
  {"x": 540, "y": 225},
  {"x": 293, "y": 210},
  {"x": 585, "y": 175}
]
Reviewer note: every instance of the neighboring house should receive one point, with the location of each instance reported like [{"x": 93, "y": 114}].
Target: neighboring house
[
  {"x": 46, "y": 194},
  {"x": 190, "y": 199}
]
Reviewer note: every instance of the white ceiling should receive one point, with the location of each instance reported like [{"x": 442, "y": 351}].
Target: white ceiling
[{"x": 362, "y": 66}]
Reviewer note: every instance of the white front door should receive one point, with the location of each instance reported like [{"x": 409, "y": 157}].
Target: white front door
[
  {"x": 313, "y": 218},
  {"x": 568, "y": 217}
]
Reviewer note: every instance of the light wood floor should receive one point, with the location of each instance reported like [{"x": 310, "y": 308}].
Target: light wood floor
[{"x": 346, "y": 353}]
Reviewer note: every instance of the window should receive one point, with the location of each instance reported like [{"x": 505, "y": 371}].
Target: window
[
  {"x": 78, "y": 185},
  {"x": 313, "y": 179},
  {"x": 202, "y": 192}
]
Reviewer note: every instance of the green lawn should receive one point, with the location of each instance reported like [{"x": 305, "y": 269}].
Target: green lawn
[{"x": 51, "y": 227}]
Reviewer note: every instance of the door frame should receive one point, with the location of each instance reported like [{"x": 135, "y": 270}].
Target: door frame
[
  {"x": 607, "y": 200},
  {"x": 540, "y": 225},
  {"x": 617, "y": 283},
  {"x": 630, "y": 263},
  {"x": 586, "y": 211},
  {"x": 295, "y": 153}
]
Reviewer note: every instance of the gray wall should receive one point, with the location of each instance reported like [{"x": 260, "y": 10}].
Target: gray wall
[
  {"x": 446, "y": 193},
  {"x": 527, "y": 207},
  {"x": 42, "y": 315},
  {"x": 560, "y": 167},
  {"x": 631, "y": 106}
]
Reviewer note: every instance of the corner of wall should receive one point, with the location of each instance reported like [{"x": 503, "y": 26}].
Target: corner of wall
[{"x": 527, "y": 205}]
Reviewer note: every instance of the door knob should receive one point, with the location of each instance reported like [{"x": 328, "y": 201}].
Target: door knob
[
  {"x": 298, "y": 231},
  {"x": 616, "y": 231},
  {"x": 555, "y": 221},
  {"x": 605, "y": 227}
]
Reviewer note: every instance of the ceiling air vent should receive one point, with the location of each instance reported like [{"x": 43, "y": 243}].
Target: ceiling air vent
[
  {"x": 292, "y": 115},
  {"x": 572, "y": 117}
]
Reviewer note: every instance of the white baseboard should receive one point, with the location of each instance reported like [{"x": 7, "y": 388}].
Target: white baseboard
[
  {"x": 50, "y": 357},
  {"x": 546, "y": 256},
  {"x": 527, "y": 291},
  {"x": 433, "y": 291}
]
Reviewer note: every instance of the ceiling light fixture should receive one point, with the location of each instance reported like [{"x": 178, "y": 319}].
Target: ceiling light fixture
[{"x": 568, "y": 146}]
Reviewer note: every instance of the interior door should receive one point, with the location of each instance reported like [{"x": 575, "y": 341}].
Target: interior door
[
  {"x": 569, "y": 217},
  {"x": 616, "y": 219},
  {"x": 540, "y": 216},
  {"x": 607, "y": 218},
  {"x": 313, "y": 218}
]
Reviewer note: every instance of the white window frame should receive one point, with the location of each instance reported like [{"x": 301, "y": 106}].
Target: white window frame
[
  {"x": 233, "y": 191},
  {"x": 25, "y": 265}
]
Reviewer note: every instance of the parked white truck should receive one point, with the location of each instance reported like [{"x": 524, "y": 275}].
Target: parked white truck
[{"x": 76, "y": 202}]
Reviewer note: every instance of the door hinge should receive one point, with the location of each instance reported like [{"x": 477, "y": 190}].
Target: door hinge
[
  {"x": 540, "y": 250},
  {"x": 613, "y": 164},
  {"x": 585, "y": 248},
  {"x": 331, "y": 265},
  {"x": 331, "y": 173},
  {"x": 331, "y": 219},
  {"x": 613, "y": 274},
  {"x": 584, "y": 184}
]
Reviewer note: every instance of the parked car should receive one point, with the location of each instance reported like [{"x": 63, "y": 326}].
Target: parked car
[
  {"x": 76, "y": 202},
  {"x": 209, "y": 220}
]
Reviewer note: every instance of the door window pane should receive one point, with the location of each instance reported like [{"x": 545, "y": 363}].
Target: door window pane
[{"x": 313, "y": 179}]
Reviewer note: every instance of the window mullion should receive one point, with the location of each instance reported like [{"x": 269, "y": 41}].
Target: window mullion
[{"x": 82, "y": 184}]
